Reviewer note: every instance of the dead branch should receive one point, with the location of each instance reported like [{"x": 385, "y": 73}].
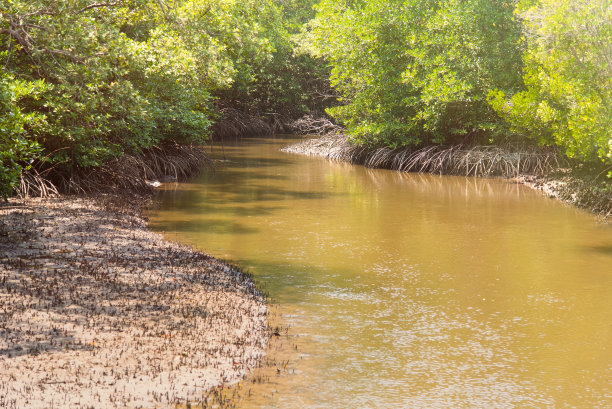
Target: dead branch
[
  {"x": 96, "y": 5},
  {"x": 19, "y": 33},
  {"x": 311, "y": 125},
  {"x": 67, "y": 54},
  {"x": 14, "y": 34}
]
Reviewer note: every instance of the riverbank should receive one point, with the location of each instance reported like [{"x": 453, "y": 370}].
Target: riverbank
[
  {"x": 98, "y": 311},
  {"x": 542, "y": 170}
]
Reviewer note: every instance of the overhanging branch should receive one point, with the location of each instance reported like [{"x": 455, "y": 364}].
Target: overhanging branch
[
  {"x": 96, "y": 5},
  {"x": 68, "y": 55},
  {"x": 14, "y": 34}
]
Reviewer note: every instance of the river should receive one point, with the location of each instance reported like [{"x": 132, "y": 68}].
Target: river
[{"x": 407, "y": 290}]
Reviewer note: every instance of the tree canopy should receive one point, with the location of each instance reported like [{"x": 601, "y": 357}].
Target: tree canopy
[
  {"x": 86, "y": 81},
  {"x": 419, "y": 71},
  {"x": 567, "y": 95}
]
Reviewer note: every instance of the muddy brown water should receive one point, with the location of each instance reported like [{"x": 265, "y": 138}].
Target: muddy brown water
[{"x": 407, "y": 290}]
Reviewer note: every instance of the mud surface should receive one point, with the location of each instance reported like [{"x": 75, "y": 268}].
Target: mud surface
[{"x": 97, "y": 311}]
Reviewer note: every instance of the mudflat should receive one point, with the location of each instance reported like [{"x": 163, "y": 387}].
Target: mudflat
[{"x": 98, "y": 311}]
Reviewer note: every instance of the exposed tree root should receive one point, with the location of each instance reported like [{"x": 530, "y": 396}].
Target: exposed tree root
[
  {"x": 235, "y": 124},
  {"x": 134, "y": 173},
  {"x": 35, "y": 184},
  {"x": 452, "y": 160}
]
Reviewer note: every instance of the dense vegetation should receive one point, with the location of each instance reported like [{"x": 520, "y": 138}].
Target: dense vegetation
[
  {"x": 418, "y": 72},
  {"x": 470, "y": 71},
  {"x": 567, "y": 93},
  {"x": 84, "y": 82}
]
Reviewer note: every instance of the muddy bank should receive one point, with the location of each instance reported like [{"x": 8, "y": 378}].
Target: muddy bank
[
  {"x": 97, "y": 311},
  {"x": 543, "y": 169},
  {"x": 578, "y": 190},
  {"x": 131, "y": 173}
]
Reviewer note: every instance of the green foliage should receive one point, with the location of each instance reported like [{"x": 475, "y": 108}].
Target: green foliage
[
  {"x": 296, "y": 12},
  {"x": 108, "y": 93},
  {"x": 418, "y": 71},
  {"x": 568, "y": 76},
  {"x": 127, "y": 75},
  {"x": 284, "y": 83},
  {"x": 16, "y": 150}
]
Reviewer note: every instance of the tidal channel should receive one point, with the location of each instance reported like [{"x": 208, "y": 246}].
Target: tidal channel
[{"x": 407, "y": 290}]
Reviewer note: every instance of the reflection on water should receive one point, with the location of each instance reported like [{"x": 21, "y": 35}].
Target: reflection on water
[{"x": 403, "y": 290}]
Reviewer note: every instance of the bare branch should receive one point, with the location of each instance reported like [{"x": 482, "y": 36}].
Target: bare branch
[
  {"x": 325, "y": 95},
  {"x": 19, "y": 33},
  {"x": 96, "y": 5},
  {"x": 14, "y": 34},
  {"x": 67, "y": 54},
  {"x": 10, "y": 52},
  {"x": 165, "y": 8},
  {"x": 40, "y": 12},
  {"x": 311, "y": 125}
]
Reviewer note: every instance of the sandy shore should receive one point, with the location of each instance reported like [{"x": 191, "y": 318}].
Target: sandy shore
[{"x": 97, "y": 311}]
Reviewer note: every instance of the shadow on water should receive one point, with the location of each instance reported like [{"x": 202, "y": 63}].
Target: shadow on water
[
  {"x": 193, "y": 204},
  {"x": 236, "y": 210},
  {"x": 254, "y": 162},
  {"x": 290, "y": 283},
  {"x": 242, "y": 187},
  {"x": 605, "y": 250},
  {"x": 238, "y": 194},
  {"x": 212, "y": 226}
]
